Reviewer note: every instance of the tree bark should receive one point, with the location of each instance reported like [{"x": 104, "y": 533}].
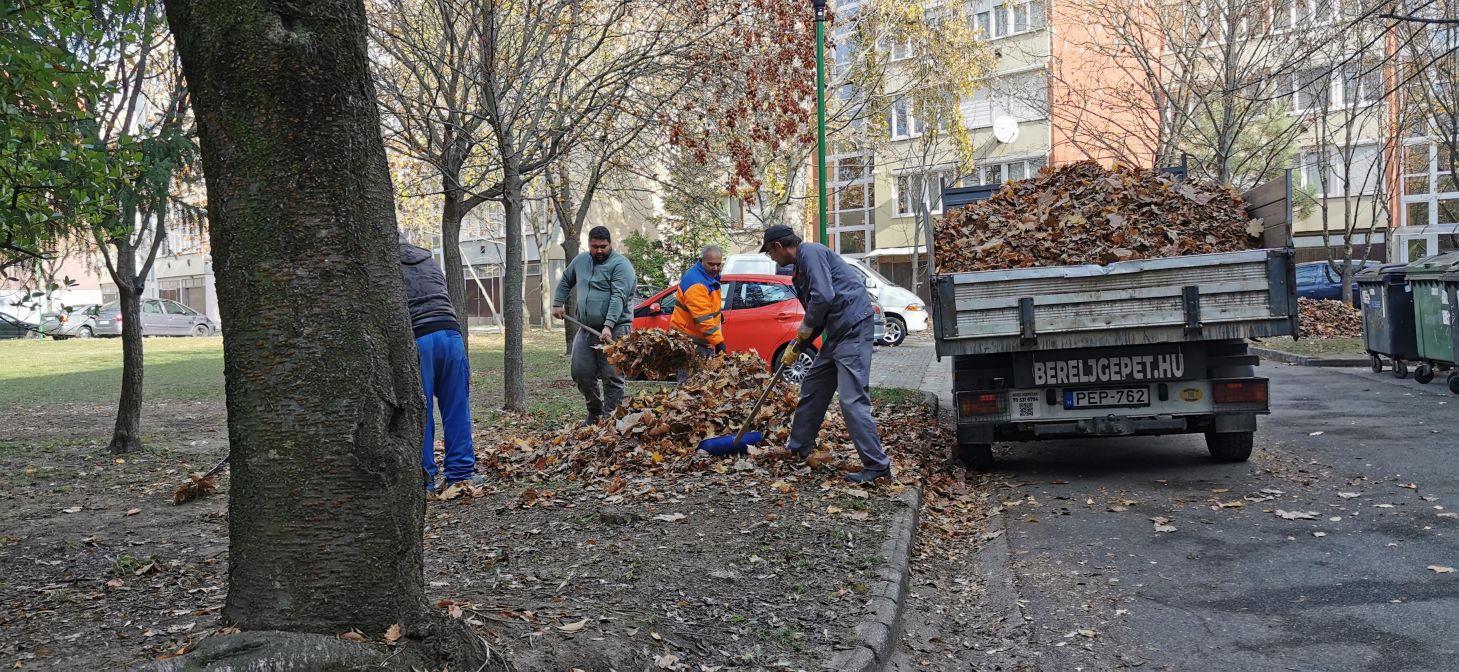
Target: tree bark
[
  {"x": 559, "y": 182},
  {"x": 452, "y": 212},
  {"x": 126, "y": 436},
  {"x": 326, "y": 505},
  {"x": 513, "y": 283},
  {"x": 570, "y": 251}
]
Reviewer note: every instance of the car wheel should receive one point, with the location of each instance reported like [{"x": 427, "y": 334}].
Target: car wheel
[
  {"x": 201, "y": 330},
  {"x": 896, "y": 331},
  {"x": 84, "y": 332},
  {"x": 796, "y": 372}
]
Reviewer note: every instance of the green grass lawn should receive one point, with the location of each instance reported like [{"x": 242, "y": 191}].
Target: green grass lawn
[
  {"x": 34, "y": 373},
  {"x": 1319, "y": 347}
]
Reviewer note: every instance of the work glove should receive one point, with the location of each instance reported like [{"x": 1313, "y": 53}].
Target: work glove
[{"x": 789, "y": 357}]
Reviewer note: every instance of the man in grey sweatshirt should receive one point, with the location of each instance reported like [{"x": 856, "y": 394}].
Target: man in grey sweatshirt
[
  {"x": 604, "y": 281},
  {"x": 445, "y": 375}
]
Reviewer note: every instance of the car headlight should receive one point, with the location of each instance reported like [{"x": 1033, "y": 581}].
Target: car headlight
[{"x": 914, "y": 307}]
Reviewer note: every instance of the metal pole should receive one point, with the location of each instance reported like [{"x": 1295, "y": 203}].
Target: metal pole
[{"x": 820, "y": 6}]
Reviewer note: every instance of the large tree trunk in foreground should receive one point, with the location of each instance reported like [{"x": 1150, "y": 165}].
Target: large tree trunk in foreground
[
  {"x": 126, "y": 437},
  {"x": 324, "y": 419}
]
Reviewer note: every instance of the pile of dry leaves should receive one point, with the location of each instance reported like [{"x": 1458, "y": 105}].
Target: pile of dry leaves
[
  {"x": 1084, "y": 213},
  {"x": 1324, "y": 318},
  {"x": 655, "y": 354}
]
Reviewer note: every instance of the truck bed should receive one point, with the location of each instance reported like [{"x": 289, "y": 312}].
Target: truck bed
[{"x": 1234, "y": 295}]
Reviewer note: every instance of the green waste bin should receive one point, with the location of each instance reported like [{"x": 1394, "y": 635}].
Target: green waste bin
[
  {"x": 1451, "y": 293},
  {"x": 1387, "y": 301},
  {"x": 1433, "y": 313}
]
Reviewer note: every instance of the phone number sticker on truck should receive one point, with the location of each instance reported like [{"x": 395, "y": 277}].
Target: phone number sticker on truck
[
  {"x": 1124, "y": 397},
  {"x": 1024, "y": 405}
]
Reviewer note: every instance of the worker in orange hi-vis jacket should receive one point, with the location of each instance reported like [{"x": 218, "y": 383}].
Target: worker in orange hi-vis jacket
[{"x": 698, "y": 303}]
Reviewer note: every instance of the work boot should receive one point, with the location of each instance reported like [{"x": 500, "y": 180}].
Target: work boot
[
  {"x": 869, "y": 475},
  {"x": 476, "y": 480}
]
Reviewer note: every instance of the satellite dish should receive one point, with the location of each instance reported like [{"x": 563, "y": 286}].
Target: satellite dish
[{"x": 1005, "y": 129}]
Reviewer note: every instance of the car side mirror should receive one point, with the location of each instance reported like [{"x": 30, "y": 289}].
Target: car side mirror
[{"x": 870, "y": 284}]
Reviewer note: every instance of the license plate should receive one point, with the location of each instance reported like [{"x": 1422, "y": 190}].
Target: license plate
[{"x": 1107, "y": 398}]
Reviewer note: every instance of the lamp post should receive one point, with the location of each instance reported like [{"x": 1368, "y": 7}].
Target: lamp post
[{"x": 820, "y": 6}]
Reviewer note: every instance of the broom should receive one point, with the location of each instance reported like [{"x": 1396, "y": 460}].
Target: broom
[{"x": 199, "y": 485}]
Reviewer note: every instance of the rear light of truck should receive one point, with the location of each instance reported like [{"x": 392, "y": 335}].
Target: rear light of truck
[
  {"x": 1246, "y": 393},
  {"x": 982, "y": 405}
]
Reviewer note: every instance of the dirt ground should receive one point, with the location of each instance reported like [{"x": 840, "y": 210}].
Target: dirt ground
[{"x": 104, "y": 572}]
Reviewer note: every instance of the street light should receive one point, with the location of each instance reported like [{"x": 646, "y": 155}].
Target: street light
[{"x": 820, "y": 6}]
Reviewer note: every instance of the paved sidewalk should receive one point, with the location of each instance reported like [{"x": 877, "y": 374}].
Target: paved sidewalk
[{"x": 903, "y": 366}]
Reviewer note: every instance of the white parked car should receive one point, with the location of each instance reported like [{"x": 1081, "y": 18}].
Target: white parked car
[{"x": 904, "y": 311}]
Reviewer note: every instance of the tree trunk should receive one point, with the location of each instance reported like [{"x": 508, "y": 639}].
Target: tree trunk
[
  {"x": 569, "y": 252},
  {"x": 451, "y": 214},
  {"x": 513, "y": 283},
  {"x": 324, "y": 424},
  {"x": 126, "y": 437}
]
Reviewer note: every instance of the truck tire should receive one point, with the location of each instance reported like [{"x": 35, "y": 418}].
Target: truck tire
[
  {"x": 1230, "y": 447},
  {"x": 977, "y": 456}
]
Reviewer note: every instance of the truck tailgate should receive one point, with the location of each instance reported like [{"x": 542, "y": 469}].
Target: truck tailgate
[{"x": 1233, "y": 295}]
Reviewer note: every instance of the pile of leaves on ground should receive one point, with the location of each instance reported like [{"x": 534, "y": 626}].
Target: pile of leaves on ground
[
  {"x": 1084, "y": 213},
  {"x": 1324, "y": 318},
  {"x": 655, "y": 354}
]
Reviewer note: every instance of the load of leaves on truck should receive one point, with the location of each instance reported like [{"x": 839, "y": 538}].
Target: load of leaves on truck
[
  {"x": 1325, "y": 318},
  {"x": 1084, "y": 213},
  {"x": 655, "y": 354}
]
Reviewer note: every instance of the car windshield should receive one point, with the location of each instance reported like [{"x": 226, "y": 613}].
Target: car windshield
[
  {"x": 876, "y": 276},
  {"x": 111, "y": 307}
]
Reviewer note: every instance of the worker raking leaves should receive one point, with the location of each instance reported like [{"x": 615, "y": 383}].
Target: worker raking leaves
[{"x": 837, "y": 309}]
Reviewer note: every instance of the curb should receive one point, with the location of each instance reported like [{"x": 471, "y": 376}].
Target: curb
[
  {"x": 1303, "y": 360},
  {"x": 881, "y": 620}
]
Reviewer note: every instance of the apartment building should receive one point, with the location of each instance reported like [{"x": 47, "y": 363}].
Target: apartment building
[{"x": 1054, "y": 98}]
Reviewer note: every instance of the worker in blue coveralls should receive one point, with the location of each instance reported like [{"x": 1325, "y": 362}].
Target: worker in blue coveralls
[
  {"x": 444, "y": 373},
  {"x": 838, "y": 309}
]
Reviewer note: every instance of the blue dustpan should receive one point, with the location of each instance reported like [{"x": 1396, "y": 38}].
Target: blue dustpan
[{"x": 719, "y": 446}]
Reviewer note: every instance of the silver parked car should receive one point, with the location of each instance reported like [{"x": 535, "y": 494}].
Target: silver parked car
[
  {"x": 160, "y": 317},
  {"x": 75, "y": 322}
]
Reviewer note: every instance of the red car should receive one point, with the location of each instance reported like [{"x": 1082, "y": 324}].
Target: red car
[{"x": 760, "y": 316}]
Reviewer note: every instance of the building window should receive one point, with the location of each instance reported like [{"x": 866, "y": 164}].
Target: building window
[
  {"x": 1430, "y": 188},
  {"x": 982, "y": 25},
  {"x": 1009, "y": 171},
  {"x": 905, "y": 125},
  {"x": 851, "y": 221},
  {"x": 1005, "y": 20},
  {"x": 912, "y": 189},
  {"x": 1000, "y": 21}
]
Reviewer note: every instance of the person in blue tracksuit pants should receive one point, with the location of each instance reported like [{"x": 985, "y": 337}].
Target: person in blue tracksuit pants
[{"x": 445, "y": 375}]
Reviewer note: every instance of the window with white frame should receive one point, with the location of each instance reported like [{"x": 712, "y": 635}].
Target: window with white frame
[
  {"x": 1008, "y": 171},
  {"x": 1290, "y": 14},
  {"x": 913, "y": 188},
  {"x": 1340, "y": 172},
  {"x": 1430, "y": 187},
  {"x": 903, "y": 122},
  {"x": 1008, "y": 19},
  {"x": 851, "y": 224},
  {"x": 1356, "y": 84}
]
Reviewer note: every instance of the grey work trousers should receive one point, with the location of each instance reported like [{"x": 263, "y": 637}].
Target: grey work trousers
[
  {"x": 843, "y": 365},
  {"x": 590, "y": 368}
]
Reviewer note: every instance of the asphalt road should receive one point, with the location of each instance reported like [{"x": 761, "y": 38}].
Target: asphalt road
[{"x": 1230, "y": 585}]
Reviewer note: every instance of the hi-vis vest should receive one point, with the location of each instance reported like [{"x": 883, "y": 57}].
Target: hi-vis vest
[{"x": 697, "y": 308}]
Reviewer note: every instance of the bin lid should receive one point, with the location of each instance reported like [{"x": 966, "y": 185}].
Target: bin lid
[
  {"x": 1385, "y": 272},
  {"x": 1432, "y": 267}
]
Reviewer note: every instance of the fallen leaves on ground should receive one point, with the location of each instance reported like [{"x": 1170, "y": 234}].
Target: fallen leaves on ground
[
  {"x": 1440, "y": 569},
  {"x": 1084, "y": 213},
  {"x": 1296, "y": 515},
  {"x": 1325, "y": 318},
  {"x": 1162, "y": 524},
  {"x": 655, "y": 354}
]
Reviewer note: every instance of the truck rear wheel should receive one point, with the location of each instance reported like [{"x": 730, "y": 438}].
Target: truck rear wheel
[
  {"x": 1230, "y": 447},
  {"x": 977, "y": 456}
]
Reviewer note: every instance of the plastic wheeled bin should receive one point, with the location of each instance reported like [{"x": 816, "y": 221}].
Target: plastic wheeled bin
[
  {"x": 1388, "y": 331},
  {"x": 1433, "y": 314},
  {"x": 1451, "y": 294}
]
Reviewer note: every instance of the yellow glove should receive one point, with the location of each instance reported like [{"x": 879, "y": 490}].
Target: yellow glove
[{"x": 789, "y": 357}]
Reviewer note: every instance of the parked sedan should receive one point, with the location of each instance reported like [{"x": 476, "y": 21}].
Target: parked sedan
[
  {"x": 160, "y": 317},
  {"x": 77, "y": 322},
  {"x": 11, "y": 328},
  {"x": 1316, "y": 280}
]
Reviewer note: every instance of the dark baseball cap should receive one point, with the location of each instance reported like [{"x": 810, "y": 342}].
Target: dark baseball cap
[{"x": 775, "y": 234}]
